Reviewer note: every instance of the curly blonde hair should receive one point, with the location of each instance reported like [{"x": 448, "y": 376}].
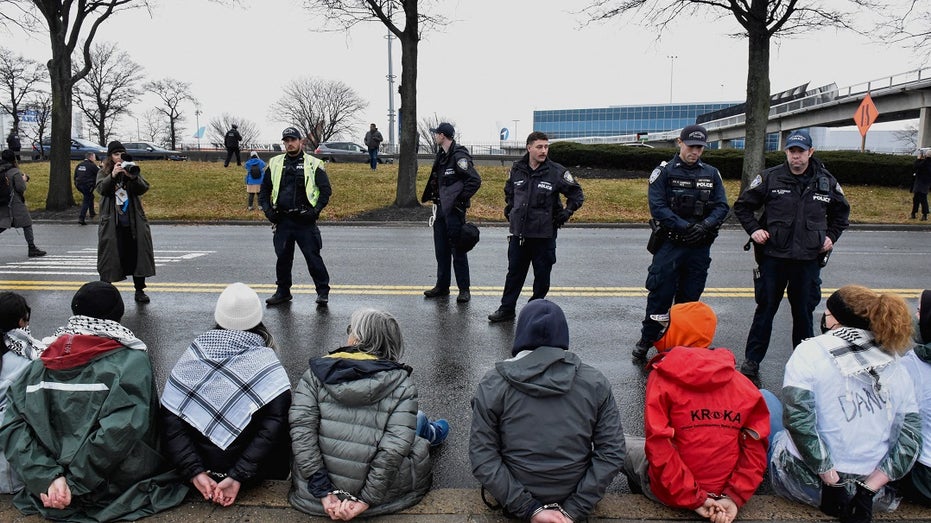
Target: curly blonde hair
[{"x": 888, "y": 314}]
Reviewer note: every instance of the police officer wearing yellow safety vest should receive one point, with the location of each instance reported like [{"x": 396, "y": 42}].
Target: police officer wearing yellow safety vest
[{"x": 294, "y": 191}]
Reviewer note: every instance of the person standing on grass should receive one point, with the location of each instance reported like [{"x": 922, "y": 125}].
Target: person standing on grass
[
  {"x": 373, "y": 140},
  {"x": 255, "y": 175},
  {"x": 231, "y": 142}
]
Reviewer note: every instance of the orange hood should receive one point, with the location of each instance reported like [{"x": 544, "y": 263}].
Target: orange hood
[{"x": 690, "y": 325}]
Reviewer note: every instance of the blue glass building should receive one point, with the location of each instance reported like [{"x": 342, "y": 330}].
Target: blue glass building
[{"x": 620, "y": 120}]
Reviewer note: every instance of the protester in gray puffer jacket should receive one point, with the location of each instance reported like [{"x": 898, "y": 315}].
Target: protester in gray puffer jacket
[
  {"x": 359, "y": 442},
  {"x": 546, "y": 436}
]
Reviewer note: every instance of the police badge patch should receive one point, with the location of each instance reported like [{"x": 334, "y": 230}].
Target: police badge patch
[
  {"x": 654, "y": 175},
  {"x": 568, "y": 177},
  {"x": 463, "y": 164},
  {"x": 756, "y": 181}
]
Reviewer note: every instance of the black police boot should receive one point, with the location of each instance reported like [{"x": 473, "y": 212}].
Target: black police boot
[
  {"x": 924, "y": 217},
  {"x": 502, "y": 314},
  {"x": 323, "y": 299},
  {"x": 640, "y": 350},
  {"x": 35, "y": 252},
  {"x": 914, "y": 215},
  {"x": 278, "y": 297},
  {"x": 141, "y": 297},
  {"x": 750, "y": 369},
  {"x": 436, "y": 292},
  {"x": 464, "y": 296}
]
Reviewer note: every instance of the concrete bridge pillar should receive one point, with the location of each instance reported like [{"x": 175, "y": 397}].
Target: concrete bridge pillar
[{"x": 924, "y": 127}]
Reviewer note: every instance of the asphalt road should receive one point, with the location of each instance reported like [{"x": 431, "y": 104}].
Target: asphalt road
[{"x": 598, "y": 280}]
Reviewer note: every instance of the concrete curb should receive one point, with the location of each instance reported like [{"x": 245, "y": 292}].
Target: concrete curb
[{"x": 268, "y": 503}]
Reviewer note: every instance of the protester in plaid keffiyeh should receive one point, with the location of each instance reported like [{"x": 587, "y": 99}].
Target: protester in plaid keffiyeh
[{"x": 225, "y": 406}]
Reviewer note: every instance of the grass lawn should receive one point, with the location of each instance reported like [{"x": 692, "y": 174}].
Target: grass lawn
[{"x": 205, "y": 191}]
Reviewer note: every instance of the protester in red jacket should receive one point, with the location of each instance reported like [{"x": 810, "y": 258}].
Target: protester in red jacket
[{"x": 706, "y": 424}]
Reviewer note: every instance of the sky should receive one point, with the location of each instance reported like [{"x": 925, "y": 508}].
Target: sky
[{"x": 490, "y": 66}]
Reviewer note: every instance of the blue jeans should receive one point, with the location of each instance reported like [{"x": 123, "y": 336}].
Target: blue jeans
[
  {"x": 801, "y": 280},
  {"x": 677, "y": 275},
  {"x": 373, "y": 158},
  {"x": 541, "y": 253},
  {"x": 775, "y": 419},
  {"x": 307, "y": 236},
  {"x": 445, "y": 233}
]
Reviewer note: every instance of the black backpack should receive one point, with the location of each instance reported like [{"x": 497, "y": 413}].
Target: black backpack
[
  {"x": 255, "y": 172},
  {"x": 6, "y": 186}
]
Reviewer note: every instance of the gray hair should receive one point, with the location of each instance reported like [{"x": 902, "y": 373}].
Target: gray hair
[{"x": 377, "y": 333}]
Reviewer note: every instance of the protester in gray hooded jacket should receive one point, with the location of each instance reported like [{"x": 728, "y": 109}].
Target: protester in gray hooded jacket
[{"x": 544, "y": 395}]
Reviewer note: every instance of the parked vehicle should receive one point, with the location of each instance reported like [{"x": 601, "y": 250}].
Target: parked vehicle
[
  {"x": 150, "y": 151},
  {"x": 343, "y": 152},
  {"x": 79, "y": 148}
]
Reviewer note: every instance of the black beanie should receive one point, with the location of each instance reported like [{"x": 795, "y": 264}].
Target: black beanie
[
  {"x": 98, "y": 299},
  {"x": 115, "y": 147},
  {"x": 541, "y": 323},
  {"x": 924, "y": 316},
  {"x": 7, "y": 156},
  {"x": 844, "y": 314}
]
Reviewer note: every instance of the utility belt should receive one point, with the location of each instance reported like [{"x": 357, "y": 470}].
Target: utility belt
[{"x": 660, "y": 235}]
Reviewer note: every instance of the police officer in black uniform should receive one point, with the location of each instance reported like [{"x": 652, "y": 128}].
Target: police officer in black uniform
[
  {"x": 231, "y": 142},
  {"x": 85, "y": 179},
  {"x": 687, "y": 205},
  {"x": 453, "y": 181},
  {"x": 535, "y": 212},
  {"x": 294, "y": 192},
  {"x": 804, "y": 213}
]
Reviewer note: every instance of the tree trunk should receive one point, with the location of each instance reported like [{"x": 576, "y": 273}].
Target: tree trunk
[
  {"x": 59, "y": 195},
  {"x": 757, "y": 104},
  {"x": 407, "y": 157}
]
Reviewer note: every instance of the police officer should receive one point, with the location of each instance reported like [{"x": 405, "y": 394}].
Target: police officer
[
  {"x": 453, "y": 181},
  {"x": 231, "y": 142},
  {"x": 804, "y": 213},
  {"x": 294, "y": 192},
  {"x": 85, "y": 179},
  {"x": 535, "y": 212},
  {"x": 687, "y": 205}
]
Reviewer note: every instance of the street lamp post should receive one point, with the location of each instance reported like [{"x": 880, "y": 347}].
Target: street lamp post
[
  {"x": 515, "y": 130},
  {"x": 197, "y": 117},
  {"x": 672, "y": 62}
]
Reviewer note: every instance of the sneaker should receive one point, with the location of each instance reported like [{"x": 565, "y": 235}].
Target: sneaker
[
  {"x": 464, "y": 297},
  {"x": 278, "y": 297},
  {"x": 501, "y": 314},
  {"x": 640, "y": 351},
  {"x": 250, "y": 208},
  {"x": 141, "y": 297},
  {"x": 323, "y": 299},
  {"x": 750, "y": 369},
  {"x": 436, "y": 292},
  {"x": 35, "y": 252},
  {"x": 437, "y": 431}
]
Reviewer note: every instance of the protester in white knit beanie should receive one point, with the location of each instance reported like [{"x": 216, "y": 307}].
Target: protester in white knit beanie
[{"x": 238, "y": 308}]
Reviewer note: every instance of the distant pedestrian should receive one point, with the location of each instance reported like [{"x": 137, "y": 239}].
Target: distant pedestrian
[
  {"x": 535, "y": 211},
  {"x": 231, "y": 142},
  {"x": 85, "y": 178},
  {"x": 13, "y": 210},
  {"x": 373, "y": 140},
  {"x": 294, "y": 192},
  {"x": 255, "y": 174},
  {"x": 124, "y": 240},
  {"x": 922, "y": 184},
  {"x": 452, "y": 183},
  {"x": 804, "y": 213},
  {"x": 14, "y": 144}
]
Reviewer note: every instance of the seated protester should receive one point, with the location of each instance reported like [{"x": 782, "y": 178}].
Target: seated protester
[
  {"x": 706, "y": 424},
  {"x": 360, "y": 443},
  {"x": 225, "y": 407},
  {"x": 18, "y": 349},
  {"x": 81, "y": 430},
  {"x": 916, "y": 485},
  {"x": 851, "y": 419},
  {"x": 546, "y": 437}
]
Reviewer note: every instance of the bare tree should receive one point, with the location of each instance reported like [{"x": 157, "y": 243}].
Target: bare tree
[
  {"x": 910, "y": 25},
  {"x": 20, "y": 78},
  {"x": 908, "y": 136},
  {"x": 322, "y": 109},
  {"x": 173, "y": 93},
  {"x": 154, "y": 127},
  {"x": 109, "y": 88},
  {"x": 219, "y": 125},
  {"x": 41, "y": 107},
  {"x": 348, "y": 13},
  {"x": 427, "y": 142},
  {"x": 761, "y": 21}
]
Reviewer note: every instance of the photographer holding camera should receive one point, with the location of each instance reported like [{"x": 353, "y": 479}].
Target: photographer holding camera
[
  {"x": 124, "y": 241},
  {"x": 294, "y": 191}
]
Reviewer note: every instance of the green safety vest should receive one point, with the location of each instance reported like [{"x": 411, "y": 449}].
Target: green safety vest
[{"x": 276, "y": 166}]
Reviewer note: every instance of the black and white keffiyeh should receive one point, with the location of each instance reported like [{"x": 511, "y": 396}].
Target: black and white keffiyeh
[
  {"x": 89, "y": 326},
  {"x": 855, "y": 351},
  {"x": 221, "y": 380},
  {"x": 21, "y": 343}
]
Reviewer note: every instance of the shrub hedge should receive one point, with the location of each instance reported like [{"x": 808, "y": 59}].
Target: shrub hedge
[{"x": 849, "y": 167}]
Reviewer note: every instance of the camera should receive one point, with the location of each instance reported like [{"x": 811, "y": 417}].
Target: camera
[{"x": 129, "y": 165}]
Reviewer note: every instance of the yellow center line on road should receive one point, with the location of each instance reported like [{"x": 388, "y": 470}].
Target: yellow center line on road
[{"x": 397, "y": 290}]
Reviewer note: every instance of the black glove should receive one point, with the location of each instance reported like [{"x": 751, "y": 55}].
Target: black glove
[
  {"x": 694, "y": 234},
  {"x": 562, "y": 217},
  {"x": 272, "y": 215},
  {"x": 860, "y": 507},
  {"x": 834, "y": 499},
  {"x": 507, "y": 212}
]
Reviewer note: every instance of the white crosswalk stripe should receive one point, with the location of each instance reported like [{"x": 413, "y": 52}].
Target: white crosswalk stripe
[{"x": 84, "y": 262}]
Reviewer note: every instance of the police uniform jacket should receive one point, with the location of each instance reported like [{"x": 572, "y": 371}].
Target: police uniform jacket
[
  {"x": 922, "y": 182},
  {"x": 532, "y": 200},
  {"x": 453, "y": 180},
  {"x": 797, "y": 215},
  {"x": 292, "y": 194},
  {"x": 681, "y": 194},
  {"x": 85, "y": 175}
]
